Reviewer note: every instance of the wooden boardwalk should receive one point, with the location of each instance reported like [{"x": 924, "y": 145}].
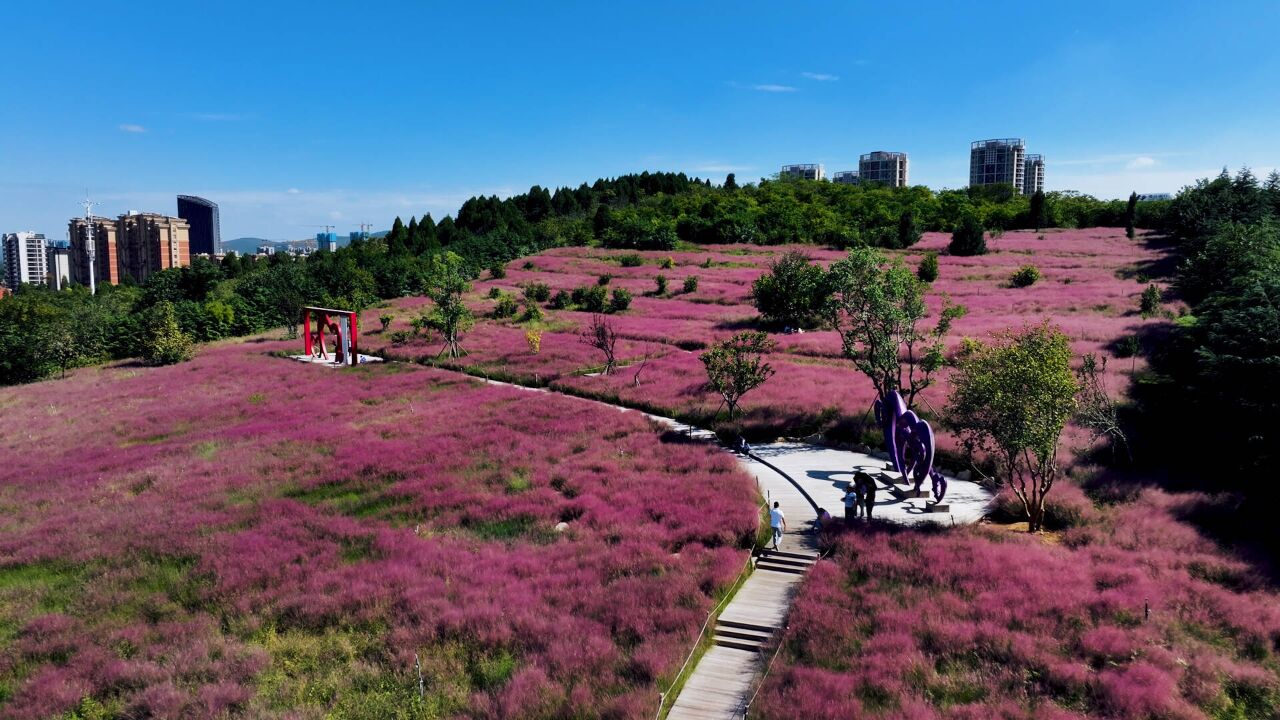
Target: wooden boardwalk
[{"x": 724, "y": 679}]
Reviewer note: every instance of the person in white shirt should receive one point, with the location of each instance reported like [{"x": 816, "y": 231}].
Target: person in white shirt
[{"x": 778, "y": 522}]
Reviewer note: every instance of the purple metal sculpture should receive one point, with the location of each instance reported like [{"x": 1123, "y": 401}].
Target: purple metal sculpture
[{"x": 909, "y": 440}]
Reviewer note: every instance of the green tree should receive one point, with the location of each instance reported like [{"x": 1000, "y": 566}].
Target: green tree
[
  {"x": 447, "y": 282},
  {"x": 969, "y": 238},
  {"x": 908, "y": 234},
  {"x": 730, "y": 182},
  {"x": 792, "y": 293},
  {"x": 164, "y": 343},
  {"x": 1039, "y": 210},
  {"x": 1011, "y": 399},
  {"x": 736, "y": 366},
  {"x": 1149, "y": 303},
  {"x": 1130, "y": 212},
  {"x": 928, "y": 269},
  {"x": 877, "y": 307}
]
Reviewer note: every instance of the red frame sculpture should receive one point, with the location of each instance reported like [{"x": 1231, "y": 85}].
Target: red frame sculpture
[{"x": 331, "y": 320}]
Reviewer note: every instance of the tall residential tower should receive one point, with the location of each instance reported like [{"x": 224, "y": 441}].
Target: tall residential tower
[
  {"x": 886, "y": 168},
  {"x": 25, "y": 259},
  {"x": 202, "y": 217}
]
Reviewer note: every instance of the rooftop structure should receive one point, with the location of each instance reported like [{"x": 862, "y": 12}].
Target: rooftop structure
[
  {"x": 887, "y": 168},
  {"x": 202, "y": 217},
  {"x": 804, "y": 172}
]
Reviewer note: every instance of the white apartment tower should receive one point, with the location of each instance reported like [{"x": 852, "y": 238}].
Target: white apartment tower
[
  {"x": 25, "y": 259},
  {"x": 807, "y": 171}
]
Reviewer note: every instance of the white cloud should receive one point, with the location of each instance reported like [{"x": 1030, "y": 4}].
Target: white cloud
[
  {"x": 132, "y": 128},
  {"x": 820, "y": 77},
  {"x": 294, "y": 191},
  {"x": 1142, "y": 161},
  {"x": 774, "y": 88}
]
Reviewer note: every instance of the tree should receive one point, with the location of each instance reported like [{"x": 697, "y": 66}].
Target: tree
[
  {"x": 736, "y": 366},
  {"x": 446, "y": 284},
  {"x": 1039, "y": 210},
  {"x": 1130, "y": 212},
  {"x": 792, "y": 293},
  {"x": 601, "y": 335},
  {"x": 1149, "y": 303},
  {"x": 1096, "y": 410},
  {"x": 928, "y": 269},
  {"x": 877, "y": 306},
  {"x": 730, "y": 182},
  {"x": 969, "y": 238},
  {"x": 908, "y": 234},
  {"x": 1011, "y": 399},
  {"x": 163, "y": 342}
]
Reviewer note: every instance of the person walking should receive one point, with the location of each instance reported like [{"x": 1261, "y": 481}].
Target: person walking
[
  {"x": 778, "y": 522},
  {"x": 851, "y": 505},
  {"x": 868, "y": 494}
]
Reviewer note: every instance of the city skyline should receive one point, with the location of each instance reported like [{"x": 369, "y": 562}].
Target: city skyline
[{"x": 415, "y": 117}]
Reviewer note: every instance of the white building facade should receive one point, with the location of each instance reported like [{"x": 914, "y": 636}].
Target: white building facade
[{"x": 25, "y": 259}]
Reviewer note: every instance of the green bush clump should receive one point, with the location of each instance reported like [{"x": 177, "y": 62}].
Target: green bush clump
[
  {"x": 660, "y": 285},
  {"x": 928, "y": 270},
  {"x": 1150, "y": 303},
  {"x": 969, "y": 238},
  {"x": 506, "y": 306},
  {"x": 560, "y": 300},
  {"x": 604, "y": 279},
  {"x": 630, "y": 260},
  {"x": 691, "y": 284},
  {"x": 494, "y": 293},
  {"x": 1025, "y": 276},
  {"x": 592, "y": 299},
  {"x": 537, "y": 292},
  {"x": 620, "y": 300},
  {"x": 497, "y": 271},
  {"x": 667, "y": 263}
]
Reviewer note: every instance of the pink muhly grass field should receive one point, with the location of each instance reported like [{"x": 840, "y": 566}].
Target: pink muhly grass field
[
  {"x": 247, "y": 535},
  {"x": 980, "y": 622},
  {"x": 1089, "y": 287}
]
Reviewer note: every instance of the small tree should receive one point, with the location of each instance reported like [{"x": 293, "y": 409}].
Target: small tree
[
  {"x": 792, "y": 293},
  {"x": 601, "y": 335},
  {"x": 1149, "y": 303},
  {"x": 969, "y": 238},
  {"x": 660, "y": 285},
  {"x": 928, "y": 270},
  {"x": 385, "y": 321},
  {"x": 690, "y": 284},
  {"x": 730, "y": 182},
  {"x": 619, "y": 300},
  {"x": 1025, "y": 276},
  {"x": 1039, "y": 210},
  {"x": 446, "y": 284},
  {"x": 1130, "y": 212},
  {"x": 497, "y": 271},
  {"x": 1011, "y": 399},
  {"x": 877, "y": 307},
  {"x": 736, "y": 366},
  {"x": 163, "y": 342},
  {"x": 908, "y": 234},
  {"x": 1096, "y": 411}
]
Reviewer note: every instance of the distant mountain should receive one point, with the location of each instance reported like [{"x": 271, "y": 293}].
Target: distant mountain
[{"x": 250, "y": 245}]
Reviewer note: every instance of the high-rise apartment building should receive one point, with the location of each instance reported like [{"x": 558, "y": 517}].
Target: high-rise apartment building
[
  {"x": 845, "y": 177},
  {"x": 807, "y": 171},
  {"x": 106, "y": 260},
  {"x": 202, "y": 217},
  {"x": 997, "y": 162},
  {"x": 149, "y": 242},
  {"x": 1033, "y": 174},
  {"x": 327, "y": 241},
  {"x": 59, "y": 264},
  {"x": 25, "y": 258},
  {"x": 886, "y": 168}
]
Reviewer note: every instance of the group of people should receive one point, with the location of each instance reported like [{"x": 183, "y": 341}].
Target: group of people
[{"x": 859, "y": 499}]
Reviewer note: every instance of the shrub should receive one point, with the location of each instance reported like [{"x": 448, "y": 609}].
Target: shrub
[
  {"x": 630, "y": 260},
  {"x": 621, "y": 300},
  {"x": 528, "y": 265},
  {"x": 604, "y": 279},
  {"x": 385, "y": 320},
  {"x": 969, "y": 238},
  {"x": 506, "y": 306},
  {"x": 537, "y": 292},
  {"x": 560, "y": 300},
  {"x": 532, "y": 313},
  {"x": 1025, "y": 276},
  {"x": 928, "y": 269},
  {"x": 399, "y": 337},
  {"x": 417, "y": 324},
  {"x": 1129, "y": 346},
  {"x": 497, "y": 271},
  {"x": 667, "y": 263},
  {"x": 660, "y": 285},
  {"x": 792, "y": 293},
  {"x": 593, "y": 299},
  {"x": 494, "y": 293},
  {"x": 534, "y": 339},
  {"x": 691, "y": 284},
  {"x": 1150, "y": 303},
  {"x": 705, "y": 263},
  {"x": 164, "y": 342}
]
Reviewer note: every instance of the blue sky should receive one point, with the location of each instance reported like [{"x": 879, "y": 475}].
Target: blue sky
[{"x": 290, "y": 114}]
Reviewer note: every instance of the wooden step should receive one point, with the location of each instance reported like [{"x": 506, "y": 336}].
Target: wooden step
[
  {"x": 765, "y": 564},
  {"x": 765, "y": 629},
  {"x": 753, "y": 635},
  {"x": 791, "y": 562},
  {"x": 789, "y": 555},
  {"x": 737, "y": 644}
]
